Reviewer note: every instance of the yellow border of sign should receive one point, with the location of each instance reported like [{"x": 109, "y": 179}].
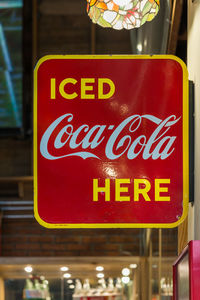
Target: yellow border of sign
[{"x": 185, "y": 143}]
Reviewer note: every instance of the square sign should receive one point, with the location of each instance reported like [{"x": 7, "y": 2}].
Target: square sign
[{"x": 110, "y": 141}]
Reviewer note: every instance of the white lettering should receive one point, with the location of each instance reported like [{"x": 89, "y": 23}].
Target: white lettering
[{"x": 116, "y": 143}]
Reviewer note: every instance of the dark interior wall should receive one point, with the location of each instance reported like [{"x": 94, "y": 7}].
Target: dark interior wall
[
  {"x": 28, "y": 238},
  {"x": 65, "y": 28},
  {"x": 15, "y": 157}
]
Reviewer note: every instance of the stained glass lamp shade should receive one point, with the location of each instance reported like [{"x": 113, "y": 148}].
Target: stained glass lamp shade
[{"x": 119, "y": 14}]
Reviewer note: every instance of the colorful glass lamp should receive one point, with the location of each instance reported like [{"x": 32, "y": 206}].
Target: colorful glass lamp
[{"x": 119, "y": 14}]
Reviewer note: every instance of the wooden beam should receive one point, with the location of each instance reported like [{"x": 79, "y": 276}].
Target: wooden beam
[
  {"x": 182, "y": 235},
  {"x": 34, "y": 28},
  {"x": 93, "y": 38},
  {"x": 2, "y": 289},
  {"x": 175, "y": 25},
  {"x": 135, "y": 284},
  {"x": 150, "y": 269},
  {"x": 21, "y": 189},
  {"x": 16, "y": 179},
  {"x": 160, "y": 262},
  {"x": 144, "y": 278},
  {"x": 1, "y": 216}
]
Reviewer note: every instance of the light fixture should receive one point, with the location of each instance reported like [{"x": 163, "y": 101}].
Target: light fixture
[
  {"x": 69, "y": 281},
  {"x": 99, "y": 268},
  {"x": 66, "y": 275},
  {"x": 139, "y": 47},
  {"x": 125, "y": 279},
  {"x": 154, "y": 266},
  {"x": 133, "y": 266},
  {"x": 100, "y": 275},
  {"x": 28, "y": 269},
  {"x": 122, "y": 14},
  {"x": 71, "y": 286},
  {"x": 64, "y": 269},
  {"x": 125, "y": 272}
]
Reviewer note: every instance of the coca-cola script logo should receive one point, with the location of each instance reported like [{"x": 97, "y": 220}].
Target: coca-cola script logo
[{"x": 159, "y": 144}]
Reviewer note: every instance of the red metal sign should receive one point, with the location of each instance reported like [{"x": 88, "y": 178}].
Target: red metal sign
[{"x": 110, "y": 141}]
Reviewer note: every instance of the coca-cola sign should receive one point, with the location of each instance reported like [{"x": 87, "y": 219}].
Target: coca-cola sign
[{"x": 110, "y": 141}]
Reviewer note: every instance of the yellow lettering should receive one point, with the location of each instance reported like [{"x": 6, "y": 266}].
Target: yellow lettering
[
  {"x": 101, "y": 82},
  {"x": 97, "y": 189},
  {"x": 63, "y": 93},
  {"x": 143, "y": 191},
  {"x": 159, "y": 189},
  {"x": 53, "y": 88},
  {"x": 85, "y": 88},
  {"x": 119, "y": 189}
]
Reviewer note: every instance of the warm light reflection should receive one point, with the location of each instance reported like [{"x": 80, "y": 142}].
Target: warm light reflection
[
  {"x": 124, "y": 109},
  {"x": 126, "y": 272},
  {"x": 28, "y": 269},
  {"x": 139, "y": 47},
  {"x": 125, "y": 280},
  {"x": 122, "y": 14},
  {"x": 100, "y": 275},
  {"x": 66, "y": 275},
  {"x": 99, "y": 268},
  {"x": 133, "y": 266},
  {"x": 64, "y": 269},
  {"x": 71, "y": 286},
  {"x": 69, "y": 281},
  {"x": 111, "y": 173}
]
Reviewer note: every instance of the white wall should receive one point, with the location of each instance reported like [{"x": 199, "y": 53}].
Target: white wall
[{"x": 193, "y": 64}]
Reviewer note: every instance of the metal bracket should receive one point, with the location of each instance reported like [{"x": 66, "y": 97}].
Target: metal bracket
[{"x": 191, "y": 141}]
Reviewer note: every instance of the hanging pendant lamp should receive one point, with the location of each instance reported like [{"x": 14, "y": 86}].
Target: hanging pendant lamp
[{"x": 119, "y": 14}]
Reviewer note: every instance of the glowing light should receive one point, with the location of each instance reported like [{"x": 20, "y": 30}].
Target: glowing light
[
  {"x": 69, "y": 281},
  {"x": 126, "y": 272},
  {"x": 100, "y": 275},
  {"x": 66, "y": 275},
  {"x": 99, "y": 268},
  {"x": 64, "y": 269},
  {"x": 139, "y": 47},
  {"x": 71, "y": 286},
  {"x": 28, "y": 269},
  {"x": 154, "y": 266},
  {"x": 125, "y": 280},
  {"x": 133, "y": 266},
  {"x": 122, "y": 14}
]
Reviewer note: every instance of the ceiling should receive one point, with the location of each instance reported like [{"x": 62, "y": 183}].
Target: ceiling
[{"x": 79, "y": 267}]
